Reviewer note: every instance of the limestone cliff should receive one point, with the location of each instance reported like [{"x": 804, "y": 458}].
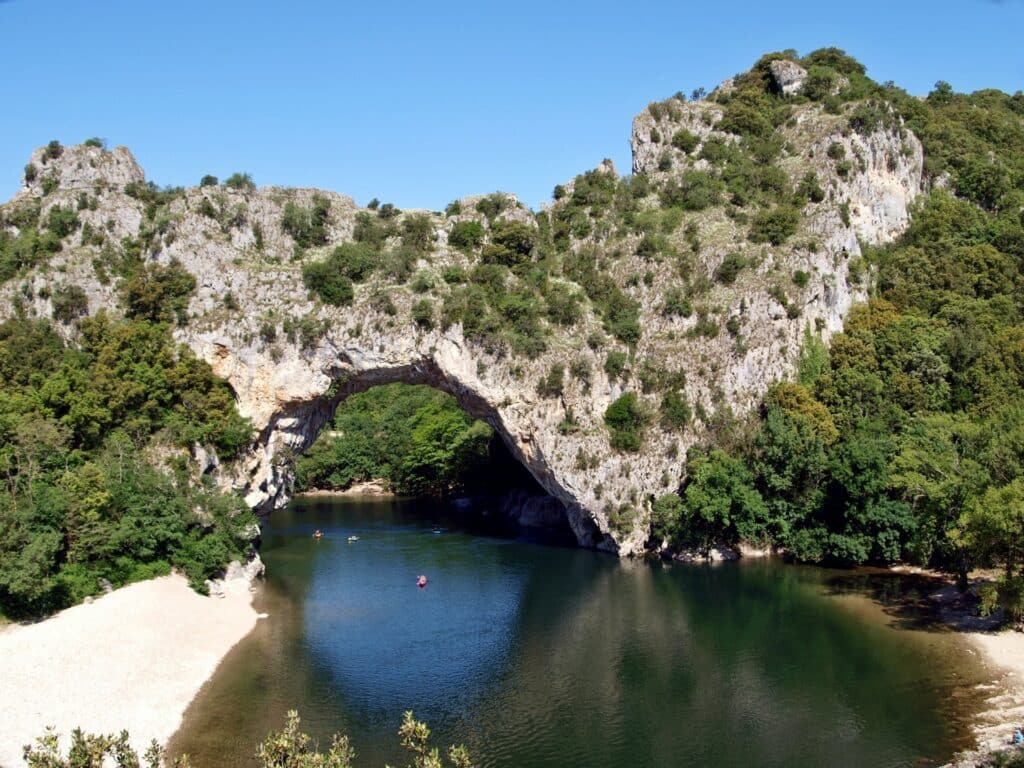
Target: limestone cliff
[{"x": 291, "y": 358}]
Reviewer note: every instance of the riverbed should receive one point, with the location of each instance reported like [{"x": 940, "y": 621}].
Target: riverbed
[{"x": 535, "y": 654}]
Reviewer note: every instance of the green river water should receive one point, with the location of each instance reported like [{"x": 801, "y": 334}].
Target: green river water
[{"x": 544, "y": 655}]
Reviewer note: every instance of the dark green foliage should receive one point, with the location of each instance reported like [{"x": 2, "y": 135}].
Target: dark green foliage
[
  {"x": 730, "y": 268},
  {"x": 552, "y": 384},
  {"x": 61, "y": 221},
  {"x": 423, "y": 314},
  {"x": 563, "y": 305},
  {"x": 325, "y": 279},
  {"x": 719, "y": 503},
  {"x": 511, "y": 244},
  {"x": 240, "y": 181},
  {"x": 626, "y": 419},
  {"x": 775, "y": 225},
  {"x": 696, "y": 191},
  {"x": 209, "y": 181},
  {"x": 79, "y": 501},
  {"x": 31, "y": 172},
  {"x": 809, "y": 189},
  {"x": 745, "y": 120},
  {"x": 675, "y": 411},
  {"x": 615, "y": 364},
  {"x": 466, "y": 235},
  {"x": 836, "y": 151},
  {"x": 53, "y": 150},
  {"x": 620, "y": 312},
  {"x": 685, "y": 141},
  {"x": 69, "y": 302},
  {"x": 26, "y": 250},
  {"x": 800, "y": 278},
  {"x": 418, "y": 233},
  {"x": 414, "y": 437},
  {"x": 676, "y": 304},
  {"x": 307, "y": 226},
  {"x": 492, "y": 205},
  {"x": 159, "y": 293}
]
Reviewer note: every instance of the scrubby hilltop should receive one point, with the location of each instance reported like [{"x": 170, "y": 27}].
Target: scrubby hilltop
[{"x": 602, "y": 337}]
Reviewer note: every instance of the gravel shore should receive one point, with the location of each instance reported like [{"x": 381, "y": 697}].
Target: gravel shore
[{"x": 132, "y": 659}]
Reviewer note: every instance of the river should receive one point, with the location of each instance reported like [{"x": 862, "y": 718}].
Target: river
[{"x": 537, "y": 654}]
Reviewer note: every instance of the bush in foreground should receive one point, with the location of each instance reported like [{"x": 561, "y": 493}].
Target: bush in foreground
[{"x": 291, "y": 748}]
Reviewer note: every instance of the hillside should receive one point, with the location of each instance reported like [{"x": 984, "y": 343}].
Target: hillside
[{"x": 606, "y": 335}]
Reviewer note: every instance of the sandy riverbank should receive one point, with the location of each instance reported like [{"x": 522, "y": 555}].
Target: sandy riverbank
[
  {"x": 133, "y": 660},
  {"x": 368, "y": 488},
  {"x": 1003, "y": 650}
]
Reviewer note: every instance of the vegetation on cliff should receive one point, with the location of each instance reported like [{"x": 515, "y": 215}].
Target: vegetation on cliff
[
  {"x": 903, "y": 439},
  {"x": 898, "y": 440},
  {"x": 81, "y": 429}
]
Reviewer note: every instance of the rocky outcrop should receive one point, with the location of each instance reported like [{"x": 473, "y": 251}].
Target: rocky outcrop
[
  {"x": 290, "y": 359},
  {"x": 788, "y": 76}
]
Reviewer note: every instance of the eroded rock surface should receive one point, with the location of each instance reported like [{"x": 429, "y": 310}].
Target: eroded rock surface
[{"x": 290, "y": 358}]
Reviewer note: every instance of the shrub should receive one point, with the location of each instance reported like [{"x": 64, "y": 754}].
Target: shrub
[
  {"x": 563, "y": 305},
  {"x": 69, "y": 302},
  {"x": 62, "y": 221},
  {"x": 241, "y": 181},
  {"x": 492, "y": 205},
  {"x": 685, "y": 141},
  {"x": 454, "y": 275},
  {"x": 307, "y": 226},
  {"x": 615, "y": 364},
  {"x": 800, "y": 278},
  {"x": 675, "y": 410},
  {"x": 675, "y": 304},
  {"x": 517, "y": 237},
  {"x": 209, "y": 181},
  {"x": 466, "y": 235},
  {"x": 418, "y": 233},
  {"x": 696, "y": 191},
  {"x": 454, "y": 208},
  {"x": 31, "y": 172},
  {"x": 810, "y": 189},
  {"x": 836, "y": 151},
  {"x": 324, "y": 279},
  {"x": 158, "y": 293},
  {"x": 744, "y": 120},
  {"x": 625, "y": 418},
  {"x": 730, "y": 268},
  {"x": 552, "y": 384},
  {"x": 354, "y": 260},
  {"x": 95, "y": 141},
  {"x": 423, "y": 314},
  {"x": 774, "y": 226},
  {"x": 53, "y": 150}
]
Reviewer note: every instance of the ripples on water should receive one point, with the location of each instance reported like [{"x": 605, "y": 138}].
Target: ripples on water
[{"x": 540, "y": 655}]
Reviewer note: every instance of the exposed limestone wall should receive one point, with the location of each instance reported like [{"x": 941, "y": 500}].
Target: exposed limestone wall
[{"x": 290, "y": 386}]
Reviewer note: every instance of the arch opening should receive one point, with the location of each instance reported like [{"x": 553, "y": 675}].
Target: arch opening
[{"x": 506, "y": 492}]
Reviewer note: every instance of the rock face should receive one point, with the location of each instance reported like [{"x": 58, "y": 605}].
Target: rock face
[
  {"x": 291, "y": 359},
  {"x": 788, "y": 75}
]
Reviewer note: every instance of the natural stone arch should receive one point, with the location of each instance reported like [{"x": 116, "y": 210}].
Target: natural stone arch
[
  {"x": 296, "y": 427},
  {"x": 283, "y": 380}
]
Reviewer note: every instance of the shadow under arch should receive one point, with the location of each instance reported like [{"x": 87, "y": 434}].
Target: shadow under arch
[{"x": 298, "y": 424}]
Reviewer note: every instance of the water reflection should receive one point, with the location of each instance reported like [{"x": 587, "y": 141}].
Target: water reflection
[{"x": 543, "y": 656}]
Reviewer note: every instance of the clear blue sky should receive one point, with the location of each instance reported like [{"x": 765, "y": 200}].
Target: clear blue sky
[{"x": 420, "y": 103}]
